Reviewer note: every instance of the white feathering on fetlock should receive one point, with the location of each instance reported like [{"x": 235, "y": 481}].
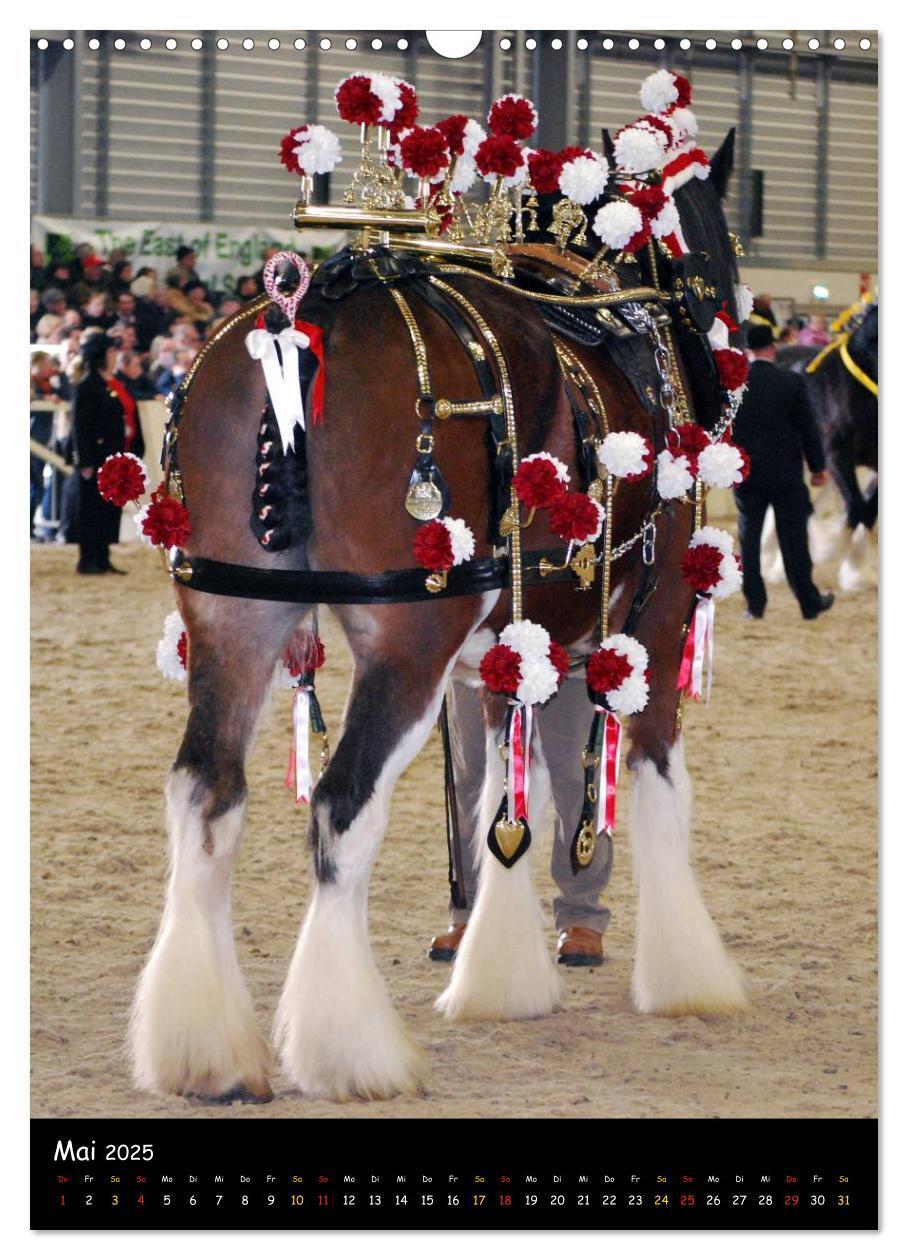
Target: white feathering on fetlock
[
  {"x": 680, "y": 965},
  {"x": 193, "y": 1028},
  {"x": 503, "y": 968}
]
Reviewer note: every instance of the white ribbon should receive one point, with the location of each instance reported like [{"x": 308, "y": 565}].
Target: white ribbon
[
  {"x": 282, "y": 376},
  {"x": 302, "y": 786},
  {"x": 704, "y": 621}
]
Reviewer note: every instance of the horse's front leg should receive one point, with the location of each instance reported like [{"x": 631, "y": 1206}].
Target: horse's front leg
[
  {"x": 336, "y": 1029},
  {"x": 193, "y": 1027}
]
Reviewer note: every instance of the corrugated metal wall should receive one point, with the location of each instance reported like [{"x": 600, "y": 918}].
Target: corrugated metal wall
[{"x": 144, "y": 148}]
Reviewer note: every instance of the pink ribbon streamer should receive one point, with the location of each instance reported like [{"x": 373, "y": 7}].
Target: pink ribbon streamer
[
  {"x": 519, "y": 762},
  {"x": 299, "y": 771},
  {"x": 697, "y": 658},
  {"x": 609, "y": 766}
]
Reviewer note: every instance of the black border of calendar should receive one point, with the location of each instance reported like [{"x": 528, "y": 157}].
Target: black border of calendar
[{"x": 658, "y": 1162}]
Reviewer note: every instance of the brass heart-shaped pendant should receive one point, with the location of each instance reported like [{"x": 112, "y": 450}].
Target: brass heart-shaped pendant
[{"x": 509, "y": 833}]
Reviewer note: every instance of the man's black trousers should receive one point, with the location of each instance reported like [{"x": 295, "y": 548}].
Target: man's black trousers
[{"x": 791, "y": 504}]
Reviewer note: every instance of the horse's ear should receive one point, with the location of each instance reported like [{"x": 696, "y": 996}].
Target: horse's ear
[
  {"x": 608, "y": 146},
  {"x": 723, "y": 161}
]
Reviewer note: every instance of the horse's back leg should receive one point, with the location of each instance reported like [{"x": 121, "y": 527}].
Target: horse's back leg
[
  {"x": 193, "y": 1029},
  {"x": 336, "y": 1029}
]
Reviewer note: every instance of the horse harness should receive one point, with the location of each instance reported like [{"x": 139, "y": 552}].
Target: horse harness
[
  {"x": 624, "y": 314},
  {"x": 847, "y": 325}
]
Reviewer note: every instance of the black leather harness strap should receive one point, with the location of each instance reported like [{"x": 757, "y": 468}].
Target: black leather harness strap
[{"x": 393, "y": 586}]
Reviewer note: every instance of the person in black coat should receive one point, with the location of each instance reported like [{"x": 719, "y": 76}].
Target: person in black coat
[
  {"x": 777, "y": 429},
  {"x": 98, "y": 431}
]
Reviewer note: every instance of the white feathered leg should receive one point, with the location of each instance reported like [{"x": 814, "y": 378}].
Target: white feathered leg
[
  {"x": 854, "y": 571},
  {"x": 771, "y": 565},
  {"x": 503, "y": 969},
  {"x": 681, "y": 966},
  {"x": 336, "y": 1030},
  {"x": 193, "y": 1029}
]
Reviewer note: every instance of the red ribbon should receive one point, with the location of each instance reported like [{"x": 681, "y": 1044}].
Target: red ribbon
[
  {"x": 608, "y": 774},
  {"x": 519, "y": 764},
  {"x": 687, "y": 657},
  {"x": 317, "y": 346}
]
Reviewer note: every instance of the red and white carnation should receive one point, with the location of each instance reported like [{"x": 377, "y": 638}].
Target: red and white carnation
[
  {"x": 732, "y": 367},
  {"x": 408, "y": 110},
  {"x": 473, "y": 136},
  {"x": 539, "y": 678},
  {"x": 583, "y": 179},
  {"x": 122, "y": 479},
  {"x": 424, "y": 153},
  {"x": 711, "y": 557},
  {"x": 541, "y": 479},
  {"x": 304, "y": 654},
  {"x": 618, "y": 671},
  {"x": 513, "y": 116},
  {"x": 442, "y": 544},
  {"x": 673, "y": 475},
  {"x": 173, "y": 648},
  {"x": 368, "y": 99},
  {"x": 722, "y": 465},
  {"x": 617, "y": 223},
  {"x": 465, "y": 175},
  {"x": 626, "y": 454},
  {"x": 164, "y": 522},
  {"x": 667, "y": 221},
  {"x": 499, "y": 155}
]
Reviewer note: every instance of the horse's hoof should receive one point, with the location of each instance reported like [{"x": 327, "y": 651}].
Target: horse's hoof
[{"x": 259, "y": 1093}]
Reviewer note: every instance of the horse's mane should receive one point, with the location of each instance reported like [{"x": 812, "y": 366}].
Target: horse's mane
[{"x": 865, "y": 339}]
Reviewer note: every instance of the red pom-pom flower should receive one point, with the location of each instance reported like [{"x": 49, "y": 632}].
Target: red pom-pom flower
[
  {"x": 424, "y": 153},
  {"x": 576, "y": 518},
  {"x": 513, "y": 116},
  {"x": 441, "y": 544},
  {"x": 122, "y": 479},
  {"x": 732, "y": 367},
  {"x": 545, "y": 168},
  {"x": 304, "y": 653},
  {"x": 689, "y": 440},
  {"x": 408, "y": 113},
  {"x": 560, "y": 660},
  {"x": 540, "y": 480},
  {"x": 499, "y": 669},
  {"x": 700, "y": 567},
  {"x": 356, "y": 102},
  {"x": 607, "y": 669},
  {"x": 164, "y": 522},
  {"x": 649, "y": 201},
  {"x": 290, "y": 143},
  {"x": 499, "y": 155}
]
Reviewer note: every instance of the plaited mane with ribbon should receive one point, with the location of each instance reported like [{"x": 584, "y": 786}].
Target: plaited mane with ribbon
[{"x": 605, "y": 218}]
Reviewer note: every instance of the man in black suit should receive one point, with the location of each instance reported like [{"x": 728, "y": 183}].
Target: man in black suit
[{"x": 777, "y": 429}]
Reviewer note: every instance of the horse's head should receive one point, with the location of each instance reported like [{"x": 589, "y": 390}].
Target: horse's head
[{"x": 703, "y": 221}]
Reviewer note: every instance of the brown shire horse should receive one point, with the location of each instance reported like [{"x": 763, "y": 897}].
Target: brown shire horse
[{"x": 193, "y": 1028}]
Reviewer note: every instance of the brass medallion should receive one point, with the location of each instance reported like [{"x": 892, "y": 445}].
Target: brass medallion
[
  {"x": 423, "y": 500},
  {"x": 586, "y": 843}
]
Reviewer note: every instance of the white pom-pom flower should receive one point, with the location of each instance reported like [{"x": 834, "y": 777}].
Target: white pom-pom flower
[
  {"x": 168, "y": 651},
  {"x": 584, "y": 178},
  {"x": 139, "y": 520},
  {"x": 526, "y": 638},
  {"x": 718, "y": 335},
  {"x": 673, "y": 475},
  {"x": 625, "y": 454},
  {"x": 744, "y": 301},
  {"x": 388, "y": 92},
  {"x": 463, "y": 544},
  {"x": 473, "y": 136},
  {"x": 630, "y": 647},
  {"x": 616, "y": 223},
  {"x": 319, "y": 151},
  {"x": 465, "y": 174},
  {"x": 658, "y": 91},
  {"x": 721, "y": 464},
  {"x": 667, "y": 220},
  {"x": 683, "y": 122},
  {"x": 639, "y": 149},
  {"x": 538, "y": 680}
]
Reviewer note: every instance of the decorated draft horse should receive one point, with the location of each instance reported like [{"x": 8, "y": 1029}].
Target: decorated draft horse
[
  {"x": 483, "y": 434},
  {"x": 842, "y": 380}
]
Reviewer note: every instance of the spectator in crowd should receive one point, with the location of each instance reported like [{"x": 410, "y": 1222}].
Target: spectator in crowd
[
  {"x": 776, "y": 427},
  {"x": 247, "y": 288},
  {"x": 815, "y": 333},
  {"x": 45, "y": 388},
  {"x": 95, "y": 310},
  {"x": 185, "y": 270},
  {"x": 170, "y": 377},
  {"x": 131, "y": 371},
  {"x": 763, "y": 313},
  {"x": 121, "y": 278},
  {"x": 37, "y": 268},
  {"x": 228, "y": 306},
  {"x": 93, "y": 280},
  {"x": 191, "y": 302},
  {"x": 99, "y": 431},
  {"x": 49, "y": 329},
  {"x": 35, "y": 311},
  {"x": 53, "y": 302}
]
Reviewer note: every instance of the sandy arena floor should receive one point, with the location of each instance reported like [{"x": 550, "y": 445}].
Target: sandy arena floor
[{"x": 784, "y": 767}]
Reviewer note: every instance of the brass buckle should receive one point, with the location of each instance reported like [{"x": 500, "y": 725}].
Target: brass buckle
[{"x": 425, "y": 443}]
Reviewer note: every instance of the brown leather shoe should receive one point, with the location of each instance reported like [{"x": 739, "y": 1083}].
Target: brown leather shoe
[
  {"x": 580, "y": 947},
  {"x": 444, "y": 946}
]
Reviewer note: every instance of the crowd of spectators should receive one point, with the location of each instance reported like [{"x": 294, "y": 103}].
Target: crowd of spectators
[{"x": 159, "y": 319}]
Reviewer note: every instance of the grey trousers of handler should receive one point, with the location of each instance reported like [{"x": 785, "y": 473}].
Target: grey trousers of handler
[{"x": 562, "y": 727}]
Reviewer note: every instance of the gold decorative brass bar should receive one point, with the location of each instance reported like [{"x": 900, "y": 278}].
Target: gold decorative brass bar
[{"x": 305, "y": 216}]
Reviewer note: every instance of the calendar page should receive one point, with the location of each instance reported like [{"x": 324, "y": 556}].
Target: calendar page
[{"x": 463, "y": 814}]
